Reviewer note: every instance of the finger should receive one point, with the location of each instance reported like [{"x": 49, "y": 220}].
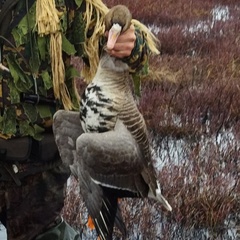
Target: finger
[
  {"x": 127, "y": 36},
  {"x": 119, "y": 54},
  {"x": 122, "y": 49},
  {"x": 128, "y": 46}
]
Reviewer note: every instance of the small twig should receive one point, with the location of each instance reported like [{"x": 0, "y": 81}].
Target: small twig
[{"x": 3, "y": 68}]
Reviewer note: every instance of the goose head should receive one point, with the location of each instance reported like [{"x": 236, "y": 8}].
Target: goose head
[{"x": 117, "y": 20}]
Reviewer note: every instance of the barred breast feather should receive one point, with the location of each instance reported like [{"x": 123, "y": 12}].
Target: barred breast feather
[
  {"x": 97, "y": 111},
  {"x": 104, "y": 98}
]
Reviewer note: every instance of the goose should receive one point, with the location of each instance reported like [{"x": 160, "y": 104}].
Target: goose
[{"x": 110, "y": 152}]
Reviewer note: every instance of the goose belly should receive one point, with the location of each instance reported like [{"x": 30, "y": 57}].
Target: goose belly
[{"x": 97, "y": 111}]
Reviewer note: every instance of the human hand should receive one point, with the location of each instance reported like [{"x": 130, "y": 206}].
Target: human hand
[{"x": 124, "y": 44}]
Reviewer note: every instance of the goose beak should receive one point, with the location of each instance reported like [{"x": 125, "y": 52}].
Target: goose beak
[{"x": 113, "y": 35}]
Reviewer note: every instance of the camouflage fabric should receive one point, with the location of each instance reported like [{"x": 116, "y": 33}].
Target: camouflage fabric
[
  {"x": 27, "y": 57},
  {"x": 26, "y": 54},
  {"x": 29, "y": 210}
]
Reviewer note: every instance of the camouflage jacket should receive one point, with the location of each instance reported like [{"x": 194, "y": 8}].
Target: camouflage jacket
[{"x": 26, "y": 54}]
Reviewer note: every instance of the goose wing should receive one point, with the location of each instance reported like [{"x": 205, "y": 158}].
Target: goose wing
[
  {"x": 66, "y": 129},
  {"x": 112, "y": 159},
  {"x": 134, "y": 122}
]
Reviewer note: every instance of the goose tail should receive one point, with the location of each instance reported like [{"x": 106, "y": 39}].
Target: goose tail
[{"x": 109, "y": 215}]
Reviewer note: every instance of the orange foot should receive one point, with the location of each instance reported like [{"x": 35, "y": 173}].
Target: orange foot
[{"x": 90, "y": 223}]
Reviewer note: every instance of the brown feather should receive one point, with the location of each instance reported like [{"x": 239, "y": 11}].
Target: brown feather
[{"x": 118, "y": 14}]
